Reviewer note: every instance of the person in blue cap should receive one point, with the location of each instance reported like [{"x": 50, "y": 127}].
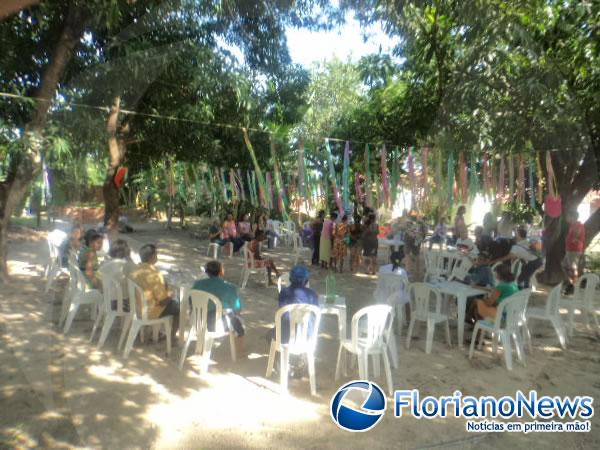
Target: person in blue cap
[{"x": 296, "y": 292}]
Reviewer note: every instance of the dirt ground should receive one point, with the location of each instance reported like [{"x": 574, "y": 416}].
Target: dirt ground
[{"x": 59, "y": 391}]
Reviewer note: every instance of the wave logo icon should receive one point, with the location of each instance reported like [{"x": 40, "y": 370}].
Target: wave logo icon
[{"x": 369, "y": 414}]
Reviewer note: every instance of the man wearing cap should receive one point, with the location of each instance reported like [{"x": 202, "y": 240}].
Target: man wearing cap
[{"x": 295, "y": 293}]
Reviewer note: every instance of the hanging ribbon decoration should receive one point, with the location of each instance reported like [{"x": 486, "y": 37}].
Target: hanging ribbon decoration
[
  {"x": 511, "y": 177},
  {"x": 486, "y": 176},
  {"x": 346, "y": 177},
  {"x": 531, "y": 185},
  {"x": 450, "y": 173},
  {"x": 301, "y": 172},
  {"x": 540, "y": 177},
  {"x": 269, "y": 191},
  {"x": 332, "y": 180},
  {"x": 462, "y": 177},
  {"x": 384, "y": 177},
  {"x": 521, "y": 180},
  {"x": 240, "y": 179},
  {"x": 553, "y": 202},
  {"x": 235, "y": 193},
  {"x": 368, "y": 181},
  {"x": 500, "y": 191},
  {"x": 413, "y": 179},
  {"x": 357, "y": 189},
  {"x": 473, "y": 177},
  {"x": 439, "y": 177},
  {"x": 394, "y": 189},
  {"x": 258, "y": 172}
]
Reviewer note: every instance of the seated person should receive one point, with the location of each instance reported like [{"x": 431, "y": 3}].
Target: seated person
[
  {"x": 505, "y": 287},
  {"x": 482, "y": 241},
  {"x": 245, "y": 228},
  {"x": 230, "y": 234},
  {"x": 215, "y": 235},
  {"x": 523, "y": 250},
  {"x": 72, "y": 243},
  {"x": 230, "y": 299},
  {"x": 120, "y": 251},
  {"x": 440, "y": 234},
  {"x": 254, "y": 247},
  {"x": 88, "y": 258},
  {"x": 295, "y": 293},
  {"x": 481, "y": 272},
  {"x": 151, "y": 281}
]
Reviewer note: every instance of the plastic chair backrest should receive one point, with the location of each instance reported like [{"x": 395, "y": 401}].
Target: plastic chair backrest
[
  {"x": 282, "y": 281},
  {"x": 511, "y": 311},
  {"x": 138, "y": 303},
  {"x": 113, "y": 277},
  {"x": 587, "y": 293},
  {"x": 248, "y": 256},
  {"x": 553, "y": 301},
  {"x": 461, "y": 268},
  {"x": 421, "y": 295},
  {"x": 55, "y": 240},
  {"x": 200, "y": 300},
  {"x": 391, "y": 287},
  {"x": 276, "y": 224},
  {"x": 431, "y": 260},
  {"x": 516, "y": 267},
  {"x": 79, "y": 281},
  {"x": 304, "y": 322},
  {"x": 377, "y": 329}
]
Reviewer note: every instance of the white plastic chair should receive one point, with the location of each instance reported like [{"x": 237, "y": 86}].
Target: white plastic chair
[
  {"x": 551, "y": 313},
  {"x": 250, "y": 267},
  {"x": 213, "y": 250},
  {"x": 516, "y": 267},
  {"x": 284, "y": 280},
  {"x": 54, "y": 265},
  {"x": 299, "y": 248},
  {"x": 506, "y": 325},
  {"x": 276, "y": 228},
  {"x": 113, "y": 279},
  {"x": 422, "y": 295},
  {"x": 140, "y": 318},
  {"x": 198, "y": 329},
  {"x": 367, "y": 340},
  {"x": 460, "y": 269},
  {"x": 583, "y": 300},
  {"x": 392, "y": 289},
  {"x": 80, "y": 294},
  {"x": 303, "y": 322}
]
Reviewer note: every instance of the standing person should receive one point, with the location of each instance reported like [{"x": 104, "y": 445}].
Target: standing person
[
  {"x": 326, "y": 240},
  {"x": 355, "y": 243},
  {"x": 228, "y": 295},
  {"x": 151, "y": 281},
  {"x": 460, "y": 227},
  {"x": 506, "y": 226},
  {"x": 370, "y": 243},
  {"x": 340, "y": 244},
  {"x": 573, "y": 262},
  {"x": 440, "y": 234},
  {"x": 317, "y": 226},
  {"x": 489, "y": 224},
  {"x": 259, "y": 261}
]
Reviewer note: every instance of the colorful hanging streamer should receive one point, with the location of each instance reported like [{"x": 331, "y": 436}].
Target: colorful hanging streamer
[
  {"x": 332, "y": 179},
  {"x": 384, "y": 177},
  {"x": 368, "y": 181},
  {"x": 346, "y": 177},
  {"x": 462, "y": 177}
]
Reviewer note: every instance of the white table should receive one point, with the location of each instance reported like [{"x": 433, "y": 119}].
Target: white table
[
  {"x": 462, "y": 292},
  {"x": 336, "y": 308}
]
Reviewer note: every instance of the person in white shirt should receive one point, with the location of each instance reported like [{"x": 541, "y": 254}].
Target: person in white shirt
[
  {"x": 439, "y": 234},
  {"x": 530, "y": 260}
]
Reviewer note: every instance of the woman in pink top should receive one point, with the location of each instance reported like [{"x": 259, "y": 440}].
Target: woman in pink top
[
  {"x": 230, "y": 233},
  {"x": 245, "y": 228},
  {"x": 325, "y": 242}
]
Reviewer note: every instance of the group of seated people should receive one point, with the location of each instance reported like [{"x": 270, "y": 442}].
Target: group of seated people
[{"x": 236, "y": 235}]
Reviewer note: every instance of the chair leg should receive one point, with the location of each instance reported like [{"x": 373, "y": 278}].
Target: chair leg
[
  {"x": 495, "y": 340},
  {"x": 393, "y": 351},
  {"x": 126, "y": 323},
  {"x": 311, "y": 373},
  {"x": 190, "y": 337},
  {"x": 64, "y": 309},
  {"x": 448, "y": 339},
  {"x": 505, "y": 338},
  {"x": 560, "y": 331},
  {"x": 388, "y": 374},
  {"x": 99, "y": 317},
  {"x": 527, "y": 337},
  {"x": 410, "y": 331},
  {"x": 168, "y": 326},
  {"x": 361, "y": 366},
  {"x": 284, "y": 365},
  {"x": 206, "y": 351},
  {"x": 571, "y": 319},
  {"x": 517, "y": 342},
  {"x": 106, "y": 326},
  {"x": 430, "y": 332},
  {"x": 271, "y": 361},
  {"x": 133, "y": 332},
  {"x": 376, "y": 365},
  {"x": 338, "y": 365},
  {"x": 473, "y": 339},
  {"x": 365, "y": 361},
  {"x": 232, "y": 346},
  {"x": 73, "y": 308}
]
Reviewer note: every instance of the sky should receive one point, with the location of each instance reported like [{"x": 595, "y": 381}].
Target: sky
[{"x": 307, "y": 47}]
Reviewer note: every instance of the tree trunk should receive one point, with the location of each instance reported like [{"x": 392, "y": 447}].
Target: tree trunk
[
  {"x": 24, "y": 169},
  {"x": 575, "y": 177},
  {"x": 116, "y": 150}
]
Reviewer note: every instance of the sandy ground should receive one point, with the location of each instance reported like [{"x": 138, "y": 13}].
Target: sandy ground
[{"x": 59, "y": 391}]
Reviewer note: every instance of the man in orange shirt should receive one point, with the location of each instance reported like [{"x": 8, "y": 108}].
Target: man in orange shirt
[
  {"x": 573, "y": 262},
  {"x": 147, "y": 277}
]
